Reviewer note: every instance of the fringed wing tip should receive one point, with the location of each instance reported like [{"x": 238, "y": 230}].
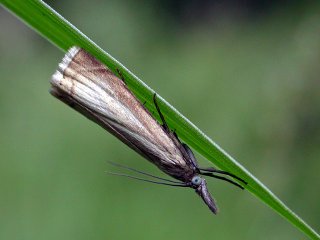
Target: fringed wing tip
[{"x": 63, "y": 65}]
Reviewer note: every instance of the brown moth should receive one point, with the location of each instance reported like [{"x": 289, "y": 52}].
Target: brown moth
[{"x": 91, "y": 88}]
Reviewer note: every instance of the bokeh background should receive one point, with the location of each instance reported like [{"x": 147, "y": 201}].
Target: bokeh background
[{"x": 245, "y": 72}]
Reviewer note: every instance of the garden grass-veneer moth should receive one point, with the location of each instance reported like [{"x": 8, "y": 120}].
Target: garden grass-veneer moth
[{"x": 91, "y": 88}]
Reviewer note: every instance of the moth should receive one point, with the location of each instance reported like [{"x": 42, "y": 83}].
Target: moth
[{"x": 89, "y": 87}]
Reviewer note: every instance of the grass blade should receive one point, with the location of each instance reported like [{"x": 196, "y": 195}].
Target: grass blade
[{"x": 63, "y": 34}]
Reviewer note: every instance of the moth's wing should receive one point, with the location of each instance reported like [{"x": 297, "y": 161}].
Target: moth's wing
[{"x": 88, "y": 86}]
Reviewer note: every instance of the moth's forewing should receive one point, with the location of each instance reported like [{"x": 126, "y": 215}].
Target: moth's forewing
[{"x": 88, "y": 86}]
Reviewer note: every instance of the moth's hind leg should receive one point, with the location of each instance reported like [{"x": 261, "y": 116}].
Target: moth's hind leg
[
  {"x": 120, "y": 75},
  {"x": 164, "y": 123}
]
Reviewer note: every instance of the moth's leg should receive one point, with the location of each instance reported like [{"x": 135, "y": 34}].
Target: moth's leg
[
  {"x": 175, "y": 134},
  {"x": 120, "y": 75},
  {"x": 214, "y": 170},
  {"x": 164, "y": 123},
  {"x": 191, "y": 156}
]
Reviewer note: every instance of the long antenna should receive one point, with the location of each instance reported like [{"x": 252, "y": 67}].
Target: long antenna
[
  {"x": 150, "y": 181},
  {"x": 143, "y": 173}
]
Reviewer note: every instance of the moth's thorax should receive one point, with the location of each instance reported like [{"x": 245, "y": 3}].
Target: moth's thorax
[{"x": 184, "y": 173}]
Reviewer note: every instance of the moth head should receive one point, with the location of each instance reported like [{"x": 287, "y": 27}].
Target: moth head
[
  {"x": 196, "y": 181},
  {"x": 200, "y": 185}
]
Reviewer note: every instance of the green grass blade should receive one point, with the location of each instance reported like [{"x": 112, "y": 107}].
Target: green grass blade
[{"x": 63, "y": 34}]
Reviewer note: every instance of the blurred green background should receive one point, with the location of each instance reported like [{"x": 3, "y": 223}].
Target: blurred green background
[{"x": 247, "y": 74}]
